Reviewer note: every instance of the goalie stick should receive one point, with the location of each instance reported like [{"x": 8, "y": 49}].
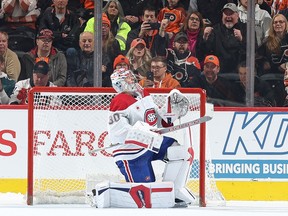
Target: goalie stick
[
  {"x": 183, "y": 125},
  {"x": 163, "y": 131}
]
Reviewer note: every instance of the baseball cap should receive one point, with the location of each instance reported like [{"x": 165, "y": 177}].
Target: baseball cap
[
  {"x": 120, "y": 59},
  {"x": 41, "y": 67},
  {"x": 213, "y": 59},
  {"x": 180, "y": 35},
  {"x": 45, "y": 34},
  {"x": 137, "y": 41},
  {"x": 230, "y": 6}
]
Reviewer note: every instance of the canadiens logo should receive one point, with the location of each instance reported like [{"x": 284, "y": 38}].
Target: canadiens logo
[{"x": 150, "y": 117}]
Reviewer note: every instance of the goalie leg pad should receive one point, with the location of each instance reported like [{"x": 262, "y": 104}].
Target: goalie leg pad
[
  {"x": 135, "y": 195},
  {"x": 177, "y": 170}
]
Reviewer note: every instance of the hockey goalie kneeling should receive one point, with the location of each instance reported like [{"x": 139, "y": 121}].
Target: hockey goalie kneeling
[{"x": 133, "y": 116}]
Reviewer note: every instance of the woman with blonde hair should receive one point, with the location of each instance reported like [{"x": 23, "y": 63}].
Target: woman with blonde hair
[
  {"x": 139, "y": 57},
  {"x": 272, "y": 55}
]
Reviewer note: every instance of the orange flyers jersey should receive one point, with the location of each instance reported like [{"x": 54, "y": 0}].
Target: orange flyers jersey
[{"x": 176, "y": 18}]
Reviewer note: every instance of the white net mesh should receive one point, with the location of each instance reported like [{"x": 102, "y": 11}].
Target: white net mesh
[{"x": 66, "y": 126}]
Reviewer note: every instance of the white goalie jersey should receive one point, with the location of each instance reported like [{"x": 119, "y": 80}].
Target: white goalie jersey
[{"x": 125, "y": 111}]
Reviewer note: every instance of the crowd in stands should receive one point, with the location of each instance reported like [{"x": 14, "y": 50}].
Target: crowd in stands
[{"x": 166, "y": 43}]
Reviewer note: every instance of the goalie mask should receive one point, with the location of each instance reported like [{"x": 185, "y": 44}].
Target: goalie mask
[{"x": 124, "y": 81}]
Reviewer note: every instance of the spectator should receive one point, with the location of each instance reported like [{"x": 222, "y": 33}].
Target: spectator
[
  {"x": 210, "y": 10},
  {"x": 40, "y": 77},
  {"x": 151, "y": 36},
  {"x": 20, "y": 13},
  {"x": 194, "y": 28},
  {"x": 6, "y": 84},
  {"x": 139, "y": 57},
  {"x": 45, "y": 51},
  {"x": 64, "y": 24},
  {"x": 121, "y": 62},
  {"x": 175, "y": 14},
  {"x": 119, "y": 27},
  {"x": 161, "y": 78},
  {"x": 12, "y": 65},
  {"x": 216, "y": 87},
  {"x": 80, "y": 62},
  {"x": 82, "y": 8},
  {"x": 19, "y": 21},
  {"x": 272, "y": 54},
  {"x": 262, "y": 20},
  {"x": 227, "y": 39},
  {"x": 263, "y": 94},
  {"x": 80, "y": 67},
  {"x": 133, "y": 10},
  {"x": 181, "y": 63}
]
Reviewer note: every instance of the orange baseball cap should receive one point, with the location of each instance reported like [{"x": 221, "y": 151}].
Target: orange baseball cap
[
  {"x": 213, "y": 59},
  {"x": 137, "y": 41}
]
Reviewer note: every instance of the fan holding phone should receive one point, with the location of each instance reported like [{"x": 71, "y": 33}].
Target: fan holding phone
[{"x": 159, "y": 77}]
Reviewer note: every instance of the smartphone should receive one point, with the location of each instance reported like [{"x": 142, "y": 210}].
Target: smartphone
[
  {"x": 150, "y": 75},
  {"x": 155, "y": 25}
]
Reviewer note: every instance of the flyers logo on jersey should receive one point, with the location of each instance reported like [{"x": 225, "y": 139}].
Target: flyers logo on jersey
[{"x": 150, "y": 117}]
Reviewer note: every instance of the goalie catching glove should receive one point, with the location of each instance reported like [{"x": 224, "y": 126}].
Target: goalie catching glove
[{"x": 176, "y": 106}]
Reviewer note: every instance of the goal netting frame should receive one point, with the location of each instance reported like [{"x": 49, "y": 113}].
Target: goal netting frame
[{"x": 46, "y": 108}]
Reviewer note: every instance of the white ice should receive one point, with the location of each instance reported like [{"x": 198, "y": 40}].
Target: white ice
[{"x": 12, "y": 204}]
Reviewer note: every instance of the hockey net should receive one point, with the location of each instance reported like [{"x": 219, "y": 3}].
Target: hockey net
[{"x": 65, "y": 124}]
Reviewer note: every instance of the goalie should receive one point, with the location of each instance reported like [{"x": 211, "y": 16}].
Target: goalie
[{"x": 132, "y": 117}]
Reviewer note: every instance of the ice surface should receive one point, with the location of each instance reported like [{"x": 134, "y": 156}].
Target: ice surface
[{"x": 12, "y": 204}]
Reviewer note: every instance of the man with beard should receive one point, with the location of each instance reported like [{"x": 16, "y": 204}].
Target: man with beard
[
  {"x": 227, "y": 39},
  {"x": 180, "y": 62}
]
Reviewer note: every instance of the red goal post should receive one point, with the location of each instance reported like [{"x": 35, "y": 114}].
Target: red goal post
[{"x": 65, "y": 123}]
